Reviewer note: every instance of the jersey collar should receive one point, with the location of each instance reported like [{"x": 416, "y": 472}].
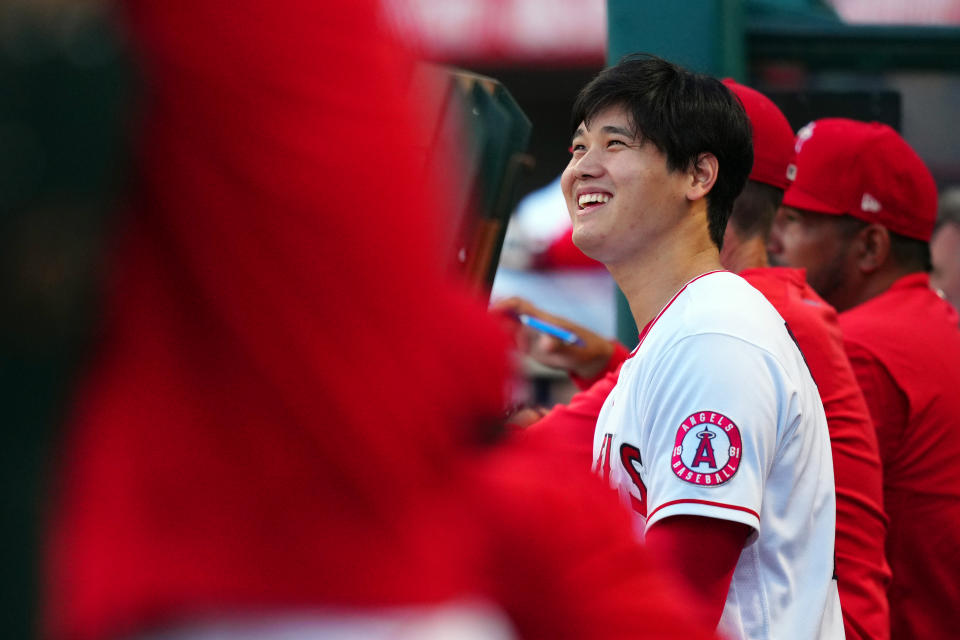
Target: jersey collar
[{"x": 649, "y": 325}]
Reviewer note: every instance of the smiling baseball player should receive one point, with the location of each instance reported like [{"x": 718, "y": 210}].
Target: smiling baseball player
[{"x": 714, "y": 434}]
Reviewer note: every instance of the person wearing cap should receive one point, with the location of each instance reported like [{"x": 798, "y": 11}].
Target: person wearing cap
[
  {"x": 567, "y": 430},
  {"x": 859, "y": 217}
]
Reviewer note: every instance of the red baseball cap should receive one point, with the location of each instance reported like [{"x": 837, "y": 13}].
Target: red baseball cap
[
  {"x": 772, "y": 136},
  {"x": 866, "y": 170}
]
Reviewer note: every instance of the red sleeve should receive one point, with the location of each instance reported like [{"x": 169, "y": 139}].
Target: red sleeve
[
  {"x": 863, "y": 574},
  {"x": 567, "y": 431},
  {"x": 568, "y": 561},
  {"x": 562, "y": 254},
  {"x": 707, "y": 574},
  {"x": 887, "y": 403}
]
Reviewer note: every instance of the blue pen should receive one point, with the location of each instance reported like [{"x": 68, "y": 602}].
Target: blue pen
[{"x": 568, "y": 337}]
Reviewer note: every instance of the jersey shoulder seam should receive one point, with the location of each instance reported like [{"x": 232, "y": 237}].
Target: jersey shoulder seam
[{"x": 682, "y": 339}]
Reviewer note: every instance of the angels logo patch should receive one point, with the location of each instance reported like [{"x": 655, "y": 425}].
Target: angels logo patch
[{"x": 707, "y": 450}]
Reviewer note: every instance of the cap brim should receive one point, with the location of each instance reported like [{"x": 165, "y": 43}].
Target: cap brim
[{"x": 799, "y": 199}]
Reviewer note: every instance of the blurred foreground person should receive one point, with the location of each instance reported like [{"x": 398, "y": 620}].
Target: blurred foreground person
[
  {"x": 277, "y": 438},
  {"x": 862, "y": 571},
  {"x": 859, "y": 217}
]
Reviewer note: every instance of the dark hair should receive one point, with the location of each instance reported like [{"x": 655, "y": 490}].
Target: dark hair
[
  {"x": 755, "y": 209},
  {"x": 910, "y": 254},
  {"x": 683, "y": 114}
]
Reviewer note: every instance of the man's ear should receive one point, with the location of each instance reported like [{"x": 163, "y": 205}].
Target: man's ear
[
  {"x": 873, "y": 247},
  {"x": 703, "y": 175}
]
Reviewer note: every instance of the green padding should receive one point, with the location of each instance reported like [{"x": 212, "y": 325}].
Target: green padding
[{"x": 498, "y": 133}]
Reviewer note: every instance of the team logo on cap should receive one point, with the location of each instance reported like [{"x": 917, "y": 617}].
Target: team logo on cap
[
  {"x": 707, "y": 450},
  {"x": 803, "y": 135},
  {"x": 869, "y": 203}
]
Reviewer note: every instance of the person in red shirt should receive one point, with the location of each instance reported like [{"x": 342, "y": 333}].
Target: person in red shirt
[
  {"x": 863, "y": 574},
  {"x": 859, "y": 218},
  {"x": 276, "y": 439}
]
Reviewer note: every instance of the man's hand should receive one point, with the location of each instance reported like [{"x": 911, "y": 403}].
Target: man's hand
[
  {"x": 586, "y": 360},
  {"x": 523, "y": 417}
]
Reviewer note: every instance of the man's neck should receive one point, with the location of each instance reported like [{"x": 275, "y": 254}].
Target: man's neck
[
  {"x": 650, "y": 280},
  {"x": 739, "y": 255},
  {"x": 872, "y": 286}
]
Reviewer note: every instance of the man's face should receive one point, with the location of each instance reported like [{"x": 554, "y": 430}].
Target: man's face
[
  {"x": 620, "y": 196},
  {"x": 818, "y": 243},
  {"x": 945, "y": 255}
]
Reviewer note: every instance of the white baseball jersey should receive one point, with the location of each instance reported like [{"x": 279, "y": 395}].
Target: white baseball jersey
[{"x": 715, "y": 414}]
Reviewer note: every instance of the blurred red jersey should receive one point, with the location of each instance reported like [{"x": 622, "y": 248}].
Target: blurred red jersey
[{"x": 274, "y": 421}]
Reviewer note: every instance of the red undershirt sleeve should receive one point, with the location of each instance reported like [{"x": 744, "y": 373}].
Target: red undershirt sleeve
[
  {"x": 567, "y": 430},
  {"x": 707, "y": 575}
]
